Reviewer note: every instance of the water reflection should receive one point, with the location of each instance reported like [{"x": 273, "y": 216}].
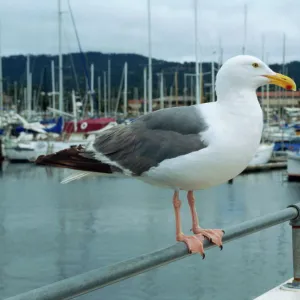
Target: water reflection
[{"x": 50, "y": 231}]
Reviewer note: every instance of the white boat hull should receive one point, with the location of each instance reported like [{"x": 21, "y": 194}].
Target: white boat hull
[
  {"x": 262, "y": 155},
  {"x": 30, "y": 151}
]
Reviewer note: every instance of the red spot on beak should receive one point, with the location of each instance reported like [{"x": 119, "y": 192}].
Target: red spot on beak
[{"x": 289, "y": 87}]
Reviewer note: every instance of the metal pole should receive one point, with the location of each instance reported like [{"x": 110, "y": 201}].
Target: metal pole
[
  {"x": 200, "y": 82},
  {"x": 145, "y": 90},
  {"x": 84, "y": 283},
  {"x": 74, "y": 110},
  {"x": 220, "y": 54},
  {"x": 245, "y": 30},
  {"x": 295, "y": 223},
  {"x": 105, "y": 94},
  {"x": 283, "y": 53},
  {"x": 268, "y": 96},
  {"x": 296, "y": 250},
  {"x": 283, "y": 72},
  {"x": 99, "y": 95},
  {"x": 92, "y": 90},
  {"x": 149, "y": 58},
  {"x": 176, "y": 87},
  {"x": 16, "y": 93},
  {"x": 109, "y": 87},
  {"x": 161, "y": 90},
  {"x": 191, "y": 88},
  {"x": 185, "y": 89},
  {"x": 60, "y": 58},
  {"x": 262, "y": 58},
  {"x": 34, "y": 96},
  {"x": 53, "y": 83},
  {"x": 196, "y": 53},
  {"x": 25, "y": 98},
  {"x": 213, "y": 81},
  {"x": 30, "y": 93},
  {"x": 28, "y": 86},
  {"x": 125, "y": 88},
  {"x": 171, "y": 96},
  {"x": 119, "y": 93}
]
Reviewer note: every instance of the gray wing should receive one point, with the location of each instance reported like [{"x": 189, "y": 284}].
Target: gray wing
[{"x": 152, "y": 138}]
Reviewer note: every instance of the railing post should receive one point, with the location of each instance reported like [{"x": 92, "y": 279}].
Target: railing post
[{"x": 295, "y": 223}]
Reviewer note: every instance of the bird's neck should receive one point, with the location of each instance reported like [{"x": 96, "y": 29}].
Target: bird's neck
[{"x": 239, "y": 100}]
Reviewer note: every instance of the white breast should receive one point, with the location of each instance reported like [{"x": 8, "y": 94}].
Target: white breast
[{"x": 233, "y": 138}]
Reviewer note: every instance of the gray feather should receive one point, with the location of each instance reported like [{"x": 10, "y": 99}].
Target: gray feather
[{"x": 152, "y": 138}]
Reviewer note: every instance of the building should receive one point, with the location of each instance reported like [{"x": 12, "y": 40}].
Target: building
[
  {"x": 279, "y": 99},
  {"x": 276, "y": 100}
]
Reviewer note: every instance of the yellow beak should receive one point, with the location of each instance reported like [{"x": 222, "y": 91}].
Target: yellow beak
[{"x": 282, "y": 81}]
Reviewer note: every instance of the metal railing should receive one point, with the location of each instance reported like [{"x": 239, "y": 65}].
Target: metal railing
[{"x": 99, "y": 278}]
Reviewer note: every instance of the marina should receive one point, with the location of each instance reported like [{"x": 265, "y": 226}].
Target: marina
[
  {"x": 54, "y": 234},
  {"x": 119, "y": 138}
]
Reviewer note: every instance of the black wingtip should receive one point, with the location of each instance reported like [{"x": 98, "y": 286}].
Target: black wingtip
[
  {"x": 74, "y": 158},
  {"x": 39, "y": 160}
]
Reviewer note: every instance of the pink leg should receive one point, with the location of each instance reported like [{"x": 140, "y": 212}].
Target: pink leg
[
  {"x": 194, "y": 243},
  {"x": 213, "y": 235}
]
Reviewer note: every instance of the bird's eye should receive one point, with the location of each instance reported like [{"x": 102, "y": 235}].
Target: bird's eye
[{"x": 255, "y": 65}]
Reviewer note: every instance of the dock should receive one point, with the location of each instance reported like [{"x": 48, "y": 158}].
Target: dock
[{"x": 266, "y": 167}]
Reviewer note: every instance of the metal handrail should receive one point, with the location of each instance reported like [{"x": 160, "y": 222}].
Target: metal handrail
[{"x": 99, "y": 278}]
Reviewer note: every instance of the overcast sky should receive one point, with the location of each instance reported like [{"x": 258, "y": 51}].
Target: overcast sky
[{"x": 30, "y": 26}]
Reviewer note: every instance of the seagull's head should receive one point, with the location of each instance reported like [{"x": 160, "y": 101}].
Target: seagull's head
[{"x": 244, "y": 71}]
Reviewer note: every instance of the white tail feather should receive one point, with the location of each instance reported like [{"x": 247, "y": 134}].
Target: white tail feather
[
  {"x": 76, "y": 176},
  {"x": 81, "y": 174}
]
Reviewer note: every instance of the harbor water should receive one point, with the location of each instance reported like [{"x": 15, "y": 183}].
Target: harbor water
[{"x": 50, "y": 231}]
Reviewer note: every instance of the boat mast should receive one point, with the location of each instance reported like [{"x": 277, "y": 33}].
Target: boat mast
[
  {"x": 149, "y": 58},
  {"x": 268, "y": 94},
  {"x": 185, "y": 88},
  {"x": 29, "y": 88},
  {"x": 105, "y": 94},
  {"x": 220, "y": 53},
  {"x": 283, "y": 72},
  {"x": 145, "y": 90},
  {"x": 245, "y": 30},
  {"x": 16, "y": 94},
  {"x": 92, "y": 90},
  {"x": 196, "y": 52},
  {"x": 262, "y": 58},
  {"x": 60, "y": 57},
  {"x": 99, "y": 95},
  {"x": 74, "y": 110},
  {"x": 125, "y": 88},
  {"x": 53, "y": 84},
  {"x": 213, "y": 79},
  {"x": 161, "y": 90},
  {"x": 109, "y": 87}
]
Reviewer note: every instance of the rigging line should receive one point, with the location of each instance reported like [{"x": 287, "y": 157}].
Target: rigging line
[
  {"x": 84, "y": 61},
  {"x": 72, "y": 61}
]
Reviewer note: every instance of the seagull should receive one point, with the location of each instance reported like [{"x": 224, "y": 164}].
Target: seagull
[{"x": 185, "y": 148}]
